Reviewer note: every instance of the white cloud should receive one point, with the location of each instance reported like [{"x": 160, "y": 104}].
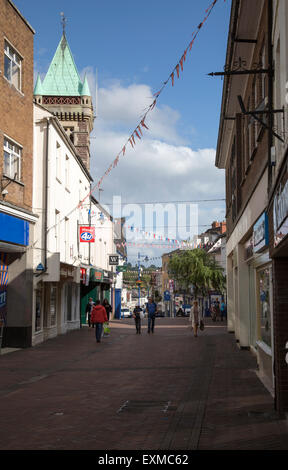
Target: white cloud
[{"x": 162, "y": 166}]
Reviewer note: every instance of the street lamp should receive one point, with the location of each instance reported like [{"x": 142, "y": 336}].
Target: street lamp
[{"x": 145, "y": 259}]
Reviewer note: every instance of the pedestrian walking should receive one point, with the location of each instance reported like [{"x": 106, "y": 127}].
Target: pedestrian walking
[
  {"x": 98, "y": 317},
  {"x": 107, "y": 307},
  {"x": 223, "y": 310},
  {"x": 88, "y": 310},
  {"x": 151, "y": 309},
  {"x": 137, "y": 317},
  {"x": 194, "y": 317},
  {"x": 217, "y": 309}
]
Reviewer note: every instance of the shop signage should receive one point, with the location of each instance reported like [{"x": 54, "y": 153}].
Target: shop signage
[
  {"x": 260, "y": 233},
  {"x": 3, "y": 298},
  {"x": 87, "y": 277},
  {"x": 83, "y": 275},
  {"x": 14, "y": 230},
  {"x": 113, "y": 260},
  {"x": 121, "y": 269},
  {"x": 167, "y": 295},
  {"x": 86, "y": 234},
  {"x": 66, "y": 271},
  {"x": 171, "y": 285},
  {"x": 96, "y": 275},
  {"x": 280, "y": 211}
]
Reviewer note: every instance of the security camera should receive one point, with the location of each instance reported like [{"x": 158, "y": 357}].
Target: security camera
[{"x": 4, "y": 192}]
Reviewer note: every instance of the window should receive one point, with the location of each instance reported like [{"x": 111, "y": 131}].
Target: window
[
  {"x": 264, "y": 299},
  {"x": 12, "y": 160},
  {"x": 12, "y": 66},
  {"x": 53, "y": 305},
  {"x": 67, "y": 172},
  {"x": 57, "y": 231},
  {"x": 67, "y": 254},
  {"x": 38, "y": 310},
  {"x": 262, "y": 76},
  {"x": 58, "y": 161}
]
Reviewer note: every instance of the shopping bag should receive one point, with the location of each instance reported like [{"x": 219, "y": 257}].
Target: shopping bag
[{"x": 202, "y": 326}]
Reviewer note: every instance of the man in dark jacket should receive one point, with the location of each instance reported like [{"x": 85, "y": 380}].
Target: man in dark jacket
[
  {"x": 151, "y": 310},
  {"x": 108, "y": 308},
  {"x": 137, "y": 317}
]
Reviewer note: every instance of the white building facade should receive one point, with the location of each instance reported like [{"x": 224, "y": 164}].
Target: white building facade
[{"x": 60, "y": 182}]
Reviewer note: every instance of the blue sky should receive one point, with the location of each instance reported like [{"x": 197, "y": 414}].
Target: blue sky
[{"x": 134, "y": 46}]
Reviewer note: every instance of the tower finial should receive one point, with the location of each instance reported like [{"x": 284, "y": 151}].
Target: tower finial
[{"x": 63, "y": 22}]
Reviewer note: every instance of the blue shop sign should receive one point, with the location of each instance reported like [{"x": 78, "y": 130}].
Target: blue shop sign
[
  {"x": 167, "y": 296},
  {"x": 260, "y": 233},
  {"x": 14, "y": 230}
]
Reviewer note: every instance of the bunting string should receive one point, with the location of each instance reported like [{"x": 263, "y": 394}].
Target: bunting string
[{"x": 137, "y": 132}]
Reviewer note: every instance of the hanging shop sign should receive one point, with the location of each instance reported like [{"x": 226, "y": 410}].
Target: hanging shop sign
[
  {"x": 280, "y": 210},
  {"x": 113, "y": 260},
  {"x": 86, "y": 234},
  {"x": 121, "y": 269},
  {"x": 96, "y": 275},
  {"x": 260, "y": 233}
]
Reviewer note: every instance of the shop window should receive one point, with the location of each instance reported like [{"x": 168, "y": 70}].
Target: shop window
[
  {"x": 53, "y": 305},
  {"x": 38, "y": 310},
  {"x": 264, "y": 278},
  {"x": 68, "y": 295}
]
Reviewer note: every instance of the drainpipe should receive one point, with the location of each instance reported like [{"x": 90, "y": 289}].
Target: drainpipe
[
  {"x": 270, "y": 90},
  {"x": 46, "y": 197}
]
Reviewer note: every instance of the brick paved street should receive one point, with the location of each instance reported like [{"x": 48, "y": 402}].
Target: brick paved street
[{"x": 163, "y": 391}]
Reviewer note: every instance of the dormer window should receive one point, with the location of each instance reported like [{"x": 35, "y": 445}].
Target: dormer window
[{"x": 12, "y": 66}]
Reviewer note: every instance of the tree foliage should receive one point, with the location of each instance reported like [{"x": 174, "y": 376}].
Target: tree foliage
[{"x": 196, "y": 268}]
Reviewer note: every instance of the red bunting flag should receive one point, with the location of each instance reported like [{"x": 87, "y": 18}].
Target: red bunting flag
[
  {"x": 181, "y": 62},
  {"x": 172, "y": 78},
  {"x": 177, "y": 70},
  {"x": 123, "y": 150},
  {"x": 130, "y": 140},
  {"x": 140, "y": 130},
  {"x": 116, "y": 161},
  {"x": 143, "y": 124},
  {"x": 152, "y": 106},
  {"x": 137, "y": 134},
  {"x": 133, "y": 138}
]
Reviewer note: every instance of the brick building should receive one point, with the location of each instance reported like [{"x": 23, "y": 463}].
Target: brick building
[
  {"x": 16, "y": 170},
  {"x": 278, "y": 204},
  {"x": 251, "y": 141}
]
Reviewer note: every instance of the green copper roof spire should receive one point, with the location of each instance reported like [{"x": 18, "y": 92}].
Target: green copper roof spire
[
  {"x": 38, "y": 90},
  {"x": 62, "y": 78},
  {"x": 85, "y": 89}
]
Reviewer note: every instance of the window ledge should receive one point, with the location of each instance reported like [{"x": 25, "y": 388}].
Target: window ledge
[
  {"x": 13, "y": 181},
  {"x": 13, "y": 87}
]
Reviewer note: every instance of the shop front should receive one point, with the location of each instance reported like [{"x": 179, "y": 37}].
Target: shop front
[
  {"x": 16, "y": 279},
  {"x": 260, "y": 299},
  {"x": 278, "y": 230}
]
